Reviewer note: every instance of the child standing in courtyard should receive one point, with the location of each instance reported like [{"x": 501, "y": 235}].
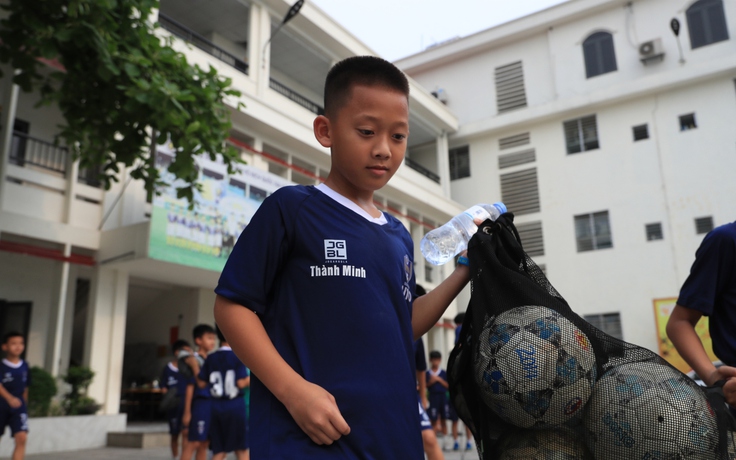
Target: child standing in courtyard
[
  {"x": 317, "y": 295},
  {"x": 174, "y": 385},
  {"x": 14, "y": 380}
]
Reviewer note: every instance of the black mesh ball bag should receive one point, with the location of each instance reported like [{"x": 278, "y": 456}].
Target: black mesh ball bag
[{"x": 533, "y": 380}]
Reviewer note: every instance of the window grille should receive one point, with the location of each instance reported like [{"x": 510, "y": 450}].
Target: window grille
[
  {"x": 641, "y": 132},
  {"x": 687, "y": 122},
  {"x": 581, "y": 134},
  {"x": 610, "y": 323},
  {"x": 706, "y": 23},
  {"x": 654, "y": 231},
  {"x": 516, "y": 158},
  {"x": 531, "y": 237},
  {"x": 520, "y": 191},
  {"x": 510, "y": 92},
  {"x": 703, "y": 225},
  {"x": 599, "y": 54},
  {"x": 593, "y": 231},
  {"x": 459, "y": 162},
  {"x": 513, "y": 141}
]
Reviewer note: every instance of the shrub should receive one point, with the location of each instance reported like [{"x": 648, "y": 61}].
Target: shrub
[
  {"x": 40, "y": 392},
  {"x": 76, "y": 402}
]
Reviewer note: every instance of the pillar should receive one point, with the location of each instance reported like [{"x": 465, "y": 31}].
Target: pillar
[
  {"x": 8, "y": 106},
  {"x": 443, "y": 163},
  {"x": 259, "y": 51}
]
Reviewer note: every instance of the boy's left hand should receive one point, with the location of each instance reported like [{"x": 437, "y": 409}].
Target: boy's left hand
[{"x": 15, "y": 402}]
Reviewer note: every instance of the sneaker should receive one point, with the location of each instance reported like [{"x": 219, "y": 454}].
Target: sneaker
[
  {"x": 468, "y": 446},
  {"x": 456, "y": 446}
]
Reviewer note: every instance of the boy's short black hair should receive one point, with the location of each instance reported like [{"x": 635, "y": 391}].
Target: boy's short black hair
[
  {"x": 361, "y": 70},
  {"x": 202, "y": 329},
  {"x": 434, "y": 354},
  {"x": 178, "y": 345},
  {"x": 220, "y": 337},
  {"x": 10, "y": 335},
  {"x": 460, "y": 317}
]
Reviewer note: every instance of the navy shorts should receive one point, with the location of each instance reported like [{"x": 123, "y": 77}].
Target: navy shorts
[
  {"x": 16, "y": 419},
  {"x": 425, "y": 423},
  {"x": 199, "y": 426},
  {"x": 174, "y": 417},
  {"x": 228, "y": 431},
  {"x": 438, "y": 406}
]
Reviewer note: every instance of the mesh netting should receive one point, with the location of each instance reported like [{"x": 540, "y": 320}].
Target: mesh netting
[{"x": 533, "y": 380}]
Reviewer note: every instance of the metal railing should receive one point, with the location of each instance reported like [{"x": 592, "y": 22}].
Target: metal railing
[
  {"x": 202, "y": 43},
  {"x": 296, "y": 97},
  {"x": 421, "y": 169},
  {"x": 27, "y": 150}
]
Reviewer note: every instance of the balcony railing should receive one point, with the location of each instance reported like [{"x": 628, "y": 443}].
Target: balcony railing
[
  {"x": 421, "y": 169},
  {"x": 202, "y": 43},
  {"x": 27, "y": 150},
  {"x": 296, "y": 97}
]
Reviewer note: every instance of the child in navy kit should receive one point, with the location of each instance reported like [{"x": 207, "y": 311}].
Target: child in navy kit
[
  {"x": 225, "y": 377},
  {"x": 317, "y": 297},
  {"x": 437, "y": 387},
  {"x": 15, "y": 377},
  {"x": 174, "y": 385},
  {"x": 196, "y": 418}
]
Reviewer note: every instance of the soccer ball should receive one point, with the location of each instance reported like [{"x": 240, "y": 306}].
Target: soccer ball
[
  {"x": 650, "y": 410},
  {"x": 534, "y": 367},
  {"x": 555, "y": 443}
]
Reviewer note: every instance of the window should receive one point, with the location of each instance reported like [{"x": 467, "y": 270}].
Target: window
[
  {"x": 706, "y": 23},
  {"x": 593, "y": 232},
  {"x": 610, "y": 323},
  {"x": 459, "y": 162},
  {"x": 641, "y": 132},
  {"x": 520, "y": 191},
  {"x": 531, "y": 238},
  {"x": 599, "y": 55},
  {"x": 654, "y": 231},
  {"x": 510, "y": 92},
  {"x": 687, "y": 122},
  {"x": 703, "y": 225},
  {"x": 581, "y": 135},
  {"x": 516, "y": 140}
]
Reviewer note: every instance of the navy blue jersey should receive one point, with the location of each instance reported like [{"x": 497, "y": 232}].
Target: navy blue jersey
[
  {"x": 15, "y": 377},
  {"x": 711, "y": 288},
  {"x": 199, "y": 392},
  {"x": 221, "y": 371},
  {"x": 172, "y": 378},
  {"x": 420, "y": 360},
  {"x": 436, "y": 387},
  {"x": 334, "y": 293}
]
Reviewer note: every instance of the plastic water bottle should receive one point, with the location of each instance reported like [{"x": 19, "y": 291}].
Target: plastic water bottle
[{"x": 444, "y": 243}]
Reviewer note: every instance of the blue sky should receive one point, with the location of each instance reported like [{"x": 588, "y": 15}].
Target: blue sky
[{"x": 398, "y": 28}]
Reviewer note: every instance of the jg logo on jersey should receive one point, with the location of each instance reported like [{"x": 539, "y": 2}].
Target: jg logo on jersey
[{"x": 335, "y": 264}]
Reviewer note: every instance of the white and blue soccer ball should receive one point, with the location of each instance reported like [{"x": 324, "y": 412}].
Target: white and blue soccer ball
[
  {"x": 534, "y": 367},
  {"x": 545, "y": 444},
  {"x": 650, "y": 410}
]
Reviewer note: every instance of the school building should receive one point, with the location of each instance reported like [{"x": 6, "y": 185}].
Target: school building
[
  {"x": 607, "y": 127},
  {"x": 106, "y": 278}
]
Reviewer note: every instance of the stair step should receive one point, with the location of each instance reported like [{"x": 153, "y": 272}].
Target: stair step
[{"x": 140, "y": 440}]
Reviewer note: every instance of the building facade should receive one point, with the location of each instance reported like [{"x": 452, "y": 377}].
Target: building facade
[
  {"x": 79, "y": 271},
  {"x": 610, "y": 137}
]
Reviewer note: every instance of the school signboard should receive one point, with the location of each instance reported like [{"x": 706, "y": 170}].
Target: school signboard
[
  {"x": 204, "y": 236},
  {"x": 662, "y": 310}
]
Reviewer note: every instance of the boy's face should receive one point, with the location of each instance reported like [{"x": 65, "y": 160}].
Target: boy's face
[
  {"x": 367, "y": 137},
  {"x": 14, "y": 347},
  {"x": 207, "y": 342},
  {"x": 435, "y": 362}
]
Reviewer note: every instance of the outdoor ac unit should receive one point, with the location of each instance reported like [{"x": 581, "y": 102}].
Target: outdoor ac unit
[{"x": 651, "y": 50}]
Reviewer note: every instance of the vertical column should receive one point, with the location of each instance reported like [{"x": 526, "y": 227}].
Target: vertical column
[
  {"x": 58, "y": 333},
  {"x": 443, "y": 163},
  {"x": 206, "y": 306},
  {"x": 258, "y": 160},
  {"x": 106, "y": 337},
  {"x": 7, "y": 117},
  {"x": 71, "y": 186},
  {"x": 259, "y": 51}
]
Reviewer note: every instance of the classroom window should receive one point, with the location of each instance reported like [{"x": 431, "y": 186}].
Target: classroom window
[
  {"x": 581, "y": 134},
  {"x": 593, "y": 231},
  {"x": 703, "y": 225},
  {"x": 610, "y": 323},
  {"x": 706, "y": 23},
  {"x": 641, "y": 132},
  {"x": 459, "y": 162},
  {"x": 654, "y": 231},
  {"x": 687, "y": 122},
  {"x": 599, "y": 54}
]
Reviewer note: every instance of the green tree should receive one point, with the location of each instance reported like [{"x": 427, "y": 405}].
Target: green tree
[
  {"x": 76, "y": 402},
  {"x": 40, "y": 392},
  {"x": 119, "y": 84}
]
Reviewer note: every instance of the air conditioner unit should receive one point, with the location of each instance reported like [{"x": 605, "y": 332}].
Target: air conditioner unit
[{"x": 651, "y": 51}]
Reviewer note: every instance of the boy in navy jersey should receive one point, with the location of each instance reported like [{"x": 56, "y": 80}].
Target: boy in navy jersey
[
  {"x": 225, "y": 377},
  {"x": 196, "y": 418},
  {"x": 14, "y": 380},
  {"x": 174, "y": 385},
  {"x": 437, "y": 387},
  {"x": 317, "y": 296}
]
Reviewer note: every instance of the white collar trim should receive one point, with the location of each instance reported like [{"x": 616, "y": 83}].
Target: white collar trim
[
  {"x": 225, "y": 348},
  {"x": 350, "y": 205},
  {"x": 171, "y": 366},
  {"x": 13, "y": 365}
]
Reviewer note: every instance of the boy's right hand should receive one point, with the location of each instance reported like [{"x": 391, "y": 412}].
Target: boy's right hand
[
  {"x": 315, "y": 411},
  {"x": 185, "y": 419},
  {"x": 14, "y": 402}
]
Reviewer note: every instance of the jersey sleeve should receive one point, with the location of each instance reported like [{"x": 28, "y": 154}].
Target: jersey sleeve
[
  {"x": 251, "y": 270},
  {"x": 420, "y": 361},
  {"x": 241, "y": 371},
  {"x": 710, "y": 273}
]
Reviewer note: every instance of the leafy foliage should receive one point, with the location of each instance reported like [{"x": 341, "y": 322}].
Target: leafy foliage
[
  {"x": 119, "y": 84},
  {"x": 40, "y": 392},
  {"x": 76, "y": 402}
]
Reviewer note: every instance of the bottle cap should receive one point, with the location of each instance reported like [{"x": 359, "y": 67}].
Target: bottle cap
[{"x": 501, "y": 207}]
